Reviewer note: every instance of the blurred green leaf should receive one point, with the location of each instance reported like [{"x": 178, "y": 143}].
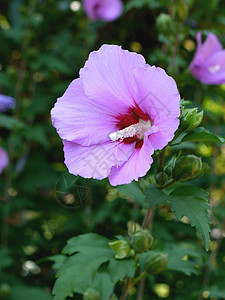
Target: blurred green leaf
[
  {"x": 5, "y": 258},
  {"x": 22, "y": 292},
  {"x": 9, "y": 122}
]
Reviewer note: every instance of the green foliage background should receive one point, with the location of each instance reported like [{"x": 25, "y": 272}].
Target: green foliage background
[{"x": 43, "y": 44}]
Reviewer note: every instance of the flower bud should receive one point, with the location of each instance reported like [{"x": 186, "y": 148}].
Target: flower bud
[
  {"x": 190, "y": 119},
  {"x": 91, "y": 294},
  {"x": 142, "y": 240},
  {"x": 122, "y": 249},
  {"x": 132, "y": 227},
  {"x": 187, "y": 167},
  {"x": 161, "y": 178},
  {"x": 168, "y": 168},
  {"x": 156, "y": 262},
  {"x": 165, "y": 23}
]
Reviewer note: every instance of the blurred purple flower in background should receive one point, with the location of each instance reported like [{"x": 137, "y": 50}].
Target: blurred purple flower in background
[
  {"x": 106, "y": 10},
  {"x": 208, "y": 64},
  {"x": 115, "y": 115},
  {"x": 4, "y": 159},
  {"x": 6, "y": 102}
]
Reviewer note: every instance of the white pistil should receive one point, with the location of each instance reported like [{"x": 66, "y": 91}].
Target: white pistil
[
  {"x": 214, "y": 69},
  {"x": 138, "y": 129}
]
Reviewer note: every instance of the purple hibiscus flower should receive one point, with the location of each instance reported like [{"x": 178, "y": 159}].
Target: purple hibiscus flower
[
  {"x": 106, "y": 10},
  {"x": 115, "y": 115},
  {"x": 4, "y": 159},
  {"x": 208, "y": 64},
  {"x": 6, "y": 102}
]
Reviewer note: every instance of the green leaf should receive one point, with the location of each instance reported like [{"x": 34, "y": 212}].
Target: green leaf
[
  {"x": 76, "y": 274},
  {"x": 22, "y": 292},
  {"x": 186, "y": 200},
  {"x": 155, "y": 197},
  {"x": 119, "y": 269},
  {"x": 184, "y": 102},
  {"x": 103, "y": 284},
  {"x": 89, "y": 243},
  {"x": 78, "y": 271},
  {"x": 202, "y": 135},
  {"x": 132, "y": 190},
  {"x": 176, "y": 254},
  {"x": 51, "y": 62},
  {"x": 141, "y": 3},
  {"x": 9, "y": 122},
  {"x": 37, "y": 134},
  {"x": 191, "y": 202},
  {"x": 57, "y": 259}
]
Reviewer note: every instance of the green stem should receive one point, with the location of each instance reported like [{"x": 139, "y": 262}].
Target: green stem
[
  {"x": 141, "y": 289},
  {"x": 137, "y": 279},
  {"x": 126, "y": 289},
  {"x": 161, "y": 159},
  {"x": 148, "y": 219}
]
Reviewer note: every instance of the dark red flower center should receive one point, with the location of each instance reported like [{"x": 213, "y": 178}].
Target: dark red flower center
[{"x": 134, "y": 116}]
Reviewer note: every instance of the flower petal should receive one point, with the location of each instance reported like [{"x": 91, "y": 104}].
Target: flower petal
[
  {"x": 137, "y": 165},
  {"x": 110, "y": 10},
  {"x": 6, "y": 102},
  {"x": 95, "y": 161},
  {"x": 157, "y": 94},
  {"x": 90, "y": 8},
  {"x": 4, "y": 159},
  {"x": 216, "y": 68},
  {"x": 81, "y": 120},
  {"x": 211, "y": 71},
  {"x": 107, "y": 10},
  {"x": 208, "y": 62},
  {"x": 108, "y": 79},
  {"x": 210, "y": 46},
  {"x": 165, "y": 133}
]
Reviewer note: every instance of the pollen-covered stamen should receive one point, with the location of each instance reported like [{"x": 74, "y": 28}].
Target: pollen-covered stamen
[{"x": 137, "y": 130}]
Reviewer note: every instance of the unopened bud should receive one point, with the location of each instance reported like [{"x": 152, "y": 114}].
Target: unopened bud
[
  {"x": 168, "y": 168},
  {"x": 187, "y": 167},
  {"x": 161, "y": 178},
  {"x": 121, "y": 248},
  {"x": 156, "y": 262},
  {"x": 132, "y": 227},
  {"x": 165, "y": 23},
  {"x": 91, "y": 294},
  {"x": 190, "y": 119},
  {"x": 142, "y": 240}
]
